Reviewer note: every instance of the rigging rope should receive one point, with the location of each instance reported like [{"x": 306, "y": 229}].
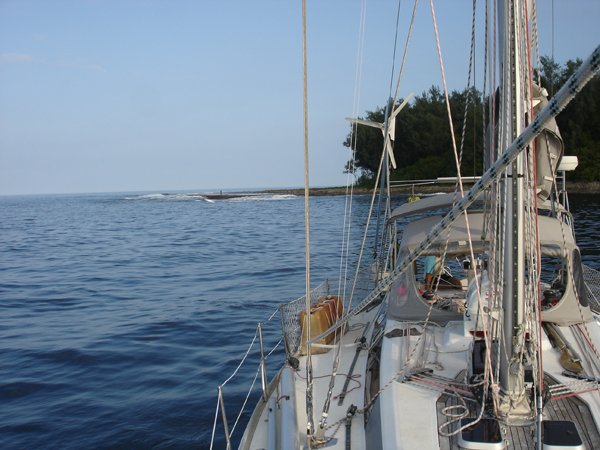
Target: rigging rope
[
  {"x": 437, "y": 39},
  {"x": 381, "y": 162},
  {"x": 535, "y": 273},
  {"x": 458, "y": 159},
  {"x": 309, "y": 369},
  {"x": 323, "y": 421},
  {"x": 352, "y": 167},
  {"x": 346, "y": 241},
  {"x": 585, "y": 72},
  {"x": 412, "y": 21},
  {"x": 464, "y": 130},
  {"x": 395, "y": 43}
]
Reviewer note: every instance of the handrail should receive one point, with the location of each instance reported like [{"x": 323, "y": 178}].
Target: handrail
[
  {"x": 261, "y": 369},
  {"x": 288, "y": 310},
  {"x": 438, "y": 180}
]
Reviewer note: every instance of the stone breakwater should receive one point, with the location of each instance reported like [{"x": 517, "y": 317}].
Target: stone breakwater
[
  {"x": 592, "y": 187},
  {"x": 573, "y": 188}
]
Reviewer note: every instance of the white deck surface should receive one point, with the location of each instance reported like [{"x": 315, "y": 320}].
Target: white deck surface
[
  {"x": 322, "y": 367},
  {"x": 410, "y": 418}
]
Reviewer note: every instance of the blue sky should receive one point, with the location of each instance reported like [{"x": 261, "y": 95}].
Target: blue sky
[{"x": 100, "y": 96}]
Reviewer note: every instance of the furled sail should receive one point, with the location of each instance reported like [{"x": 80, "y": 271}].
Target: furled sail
[{"x": 549, "y": 147}]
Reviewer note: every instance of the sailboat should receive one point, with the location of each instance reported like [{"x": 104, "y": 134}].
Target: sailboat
[{"x": 477, "y": 328}]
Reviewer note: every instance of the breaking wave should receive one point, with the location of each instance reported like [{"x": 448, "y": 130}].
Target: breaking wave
[{"x": 210, "y": 197}]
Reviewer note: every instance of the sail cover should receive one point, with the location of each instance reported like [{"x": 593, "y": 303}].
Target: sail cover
[{"x": 549, "y": 148}]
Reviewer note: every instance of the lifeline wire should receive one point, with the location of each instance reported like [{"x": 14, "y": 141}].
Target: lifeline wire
[
  {"x": 234, "y": 373},
  {"x": 212, "y": 439}
]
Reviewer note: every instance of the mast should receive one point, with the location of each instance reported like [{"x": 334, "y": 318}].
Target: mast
[
  {"x": 309, "y": 368},
  {"x": 384, "y": 174},
  {"x": 512, "y": 113}
]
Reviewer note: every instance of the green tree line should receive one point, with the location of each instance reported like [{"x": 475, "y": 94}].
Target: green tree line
[{"x": 423, "y": 147}]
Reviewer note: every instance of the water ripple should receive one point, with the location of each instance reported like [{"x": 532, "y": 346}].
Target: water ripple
[{"x": 120, "y": 314}]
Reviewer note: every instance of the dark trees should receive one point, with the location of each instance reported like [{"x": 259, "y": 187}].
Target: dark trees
[
  {"x": 579, "y": 121},
  {"x": 423, "y": 147}
]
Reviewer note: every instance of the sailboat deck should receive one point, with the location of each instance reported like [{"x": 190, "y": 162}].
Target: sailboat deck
[{"x": 522, "y": 438}]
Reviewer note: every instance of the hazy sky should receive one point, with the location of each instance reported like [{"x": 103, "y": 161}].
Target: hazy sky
[{"x": 99, "y": 96}]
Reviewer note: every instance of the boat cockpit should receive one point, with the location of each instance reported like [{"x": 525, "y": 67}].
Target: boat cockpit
[{"x": 459, "y": 259}]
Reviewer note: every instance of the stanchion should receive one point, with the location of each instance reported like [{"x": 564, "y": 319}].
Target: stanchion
[{"x": 225, "y": 427}]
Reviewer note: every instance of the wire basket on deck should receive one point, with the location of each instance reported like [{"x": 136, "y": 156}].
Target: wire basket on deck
[
  {"x": 290, "y": 312},
  {"x": 591, "y": 278}
]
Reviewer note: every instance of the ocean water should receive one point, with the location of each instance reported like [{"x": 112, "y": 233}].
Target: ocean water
[{"x": 120, "y": 314}]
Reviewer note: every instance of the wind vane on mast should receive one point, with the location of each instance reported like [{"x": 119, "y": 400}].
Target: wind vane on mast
[{"x": 381, "y": 126}]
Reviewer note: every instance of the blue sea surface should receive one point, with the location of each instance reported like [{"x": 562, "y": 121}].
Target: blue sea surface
[{"x": 120, "y": 314}]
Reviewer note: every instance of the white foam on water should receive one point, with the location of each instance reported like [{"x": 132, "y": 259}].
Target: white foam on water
[
  {"x": 146, "y": 197},
  {"x": 203, "y": 197},
  {"x": 261, "y": 198},
  {"x": 188, "y": 197}
]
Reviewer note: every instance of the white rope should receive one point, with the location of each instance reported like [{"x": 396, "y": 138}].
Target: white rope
[
  {"x": 272, "y": 315},
  {"x": 412, "y": 21},
  {"x": 365, "y": 234},
  {"x": 591, "y": 361},
  {"x": 352, "y": 150},
  {"x": 243, "y": 359},
  {"x": 534, "y": 37},
  {"x": 345, "y": 251},
  {"x": 274, "y": 348},
  {"x": 382, "y": 158},
  {"x": 212, "y": 439},
  {"x": 488, "y": 362},
  {"x": 309, "y": 368},
  {"x": 464, "y": 130},
  {"x": 437, "y": 39},
  {"x": 455, "y": 417},
  {"x": 494, "y": 227},
  {"x": 534, "y": 306},
  {"x": 245, "y": 401}
]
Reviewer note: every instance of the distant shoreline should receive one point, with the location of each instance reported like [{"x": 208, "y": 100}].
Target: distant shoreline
[{"x": 572, "y": 188}]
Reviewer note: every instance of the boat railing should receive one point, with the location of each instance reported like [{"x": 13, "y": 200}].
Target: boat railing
[
  {"x": 260, "y": 371},
  {"x": 438, "y": 180},
  {"x": 290, "y": 321},
  {"x": 591, "y": 278}
]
